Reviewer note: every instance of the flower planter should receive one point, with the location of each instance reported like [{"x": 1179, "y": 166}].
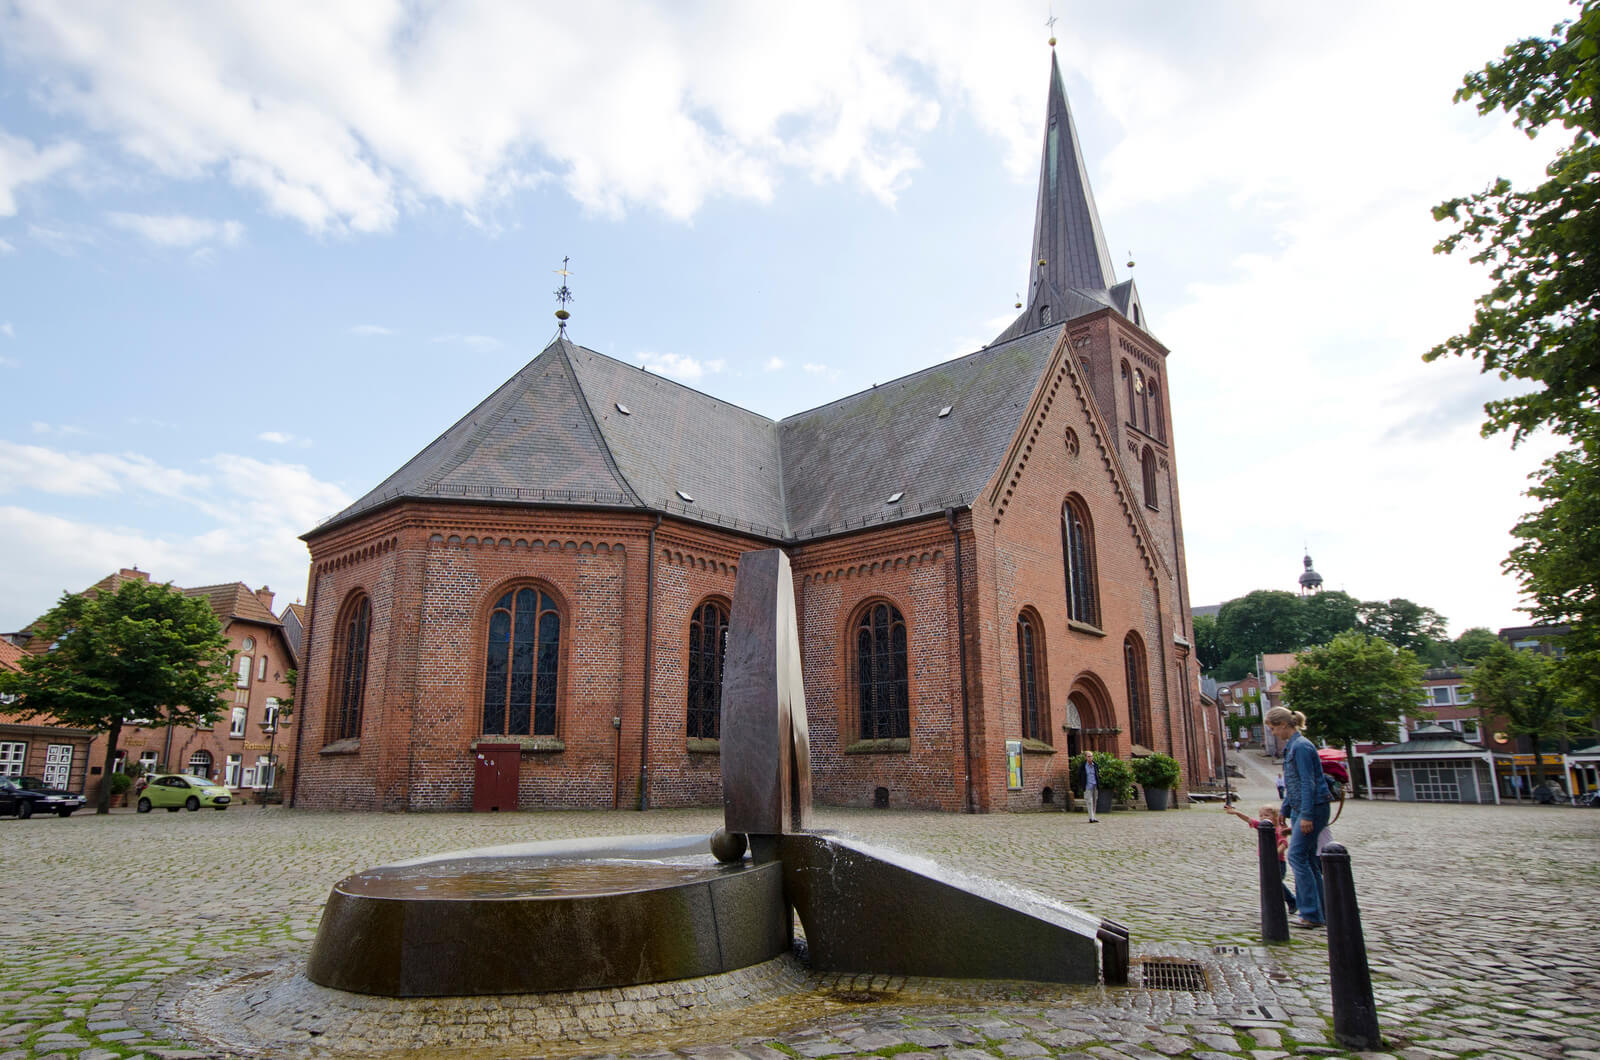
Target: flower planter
[
  {"x": 1103, "y": 799},
  {"x": 1156, "y": 798}
]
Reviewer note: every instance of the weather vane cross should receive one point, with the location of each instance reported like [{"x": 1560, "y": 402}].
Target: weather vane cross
[
  {"x": 563, "y": 294},
  {"x": 1051, "y": 23}
]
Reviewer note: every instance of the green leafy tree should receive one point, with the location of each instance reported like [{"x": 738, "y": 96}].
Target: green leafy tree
[
  {"x": 1355, "y": 687},
  {"x": 1525, "y": 689},
  {"x": 1266, "y": 620},
  {"x": 1473, "y": 645},
  {"x": 145, "y": 651},
  {"x": 1404, "y": 624},
  {"x": 1207, "y": 649},
  {"x": 1328, "y": 614},
  {"x": 1539, "y": 321},
  {"x": 1558, "y": 558}
]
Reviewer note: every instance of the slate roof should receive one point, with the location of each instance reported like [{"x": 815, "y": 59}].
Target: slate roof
[
  {"x": 235, "y": 600},
  {"x": 555, "y": 433}
]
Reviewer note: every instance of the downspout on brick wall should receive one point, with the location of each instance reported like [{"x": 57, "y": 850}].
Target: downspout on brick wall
[
  {"x": 961, "y": 641},
  {"x": 649, "y": 667},
  {"x": 305, "y": 680}
]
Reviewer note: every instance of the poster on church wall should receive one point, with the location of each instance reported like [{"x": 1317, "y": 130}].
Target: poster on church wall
[{"x": 1013, "y": 765}]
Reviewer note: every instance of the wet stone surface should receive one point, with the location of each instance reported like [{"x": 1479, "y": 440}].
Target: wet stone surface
[{"x": 179, "y": 936}]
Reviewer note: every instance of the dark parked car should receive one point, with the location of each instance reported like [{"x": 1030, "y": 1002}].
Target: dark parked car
[{"x": 25, "y": 796}]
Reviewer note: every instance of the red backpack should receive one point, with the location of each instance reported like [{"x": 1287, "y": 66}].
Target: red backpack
[{"x": 1337, "y": 774}]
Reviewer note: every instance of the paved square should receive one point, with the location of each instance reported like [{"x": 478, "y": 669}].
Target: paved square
[{"x": 182, "y": 934}]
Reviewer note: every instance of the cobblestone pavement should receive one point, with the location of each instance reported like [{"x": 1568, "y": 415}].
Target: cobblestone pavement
[{"x": 182, "y": 935}]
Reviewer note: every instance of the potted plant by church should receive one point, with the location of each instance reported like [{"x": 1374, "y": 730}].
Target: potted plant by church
[{"x": 1158, "y": 775}]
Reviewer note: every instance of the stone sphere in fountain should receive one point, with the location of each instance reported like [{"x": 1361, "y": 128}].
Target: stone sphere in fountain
[{"x": 728, "y": 847}]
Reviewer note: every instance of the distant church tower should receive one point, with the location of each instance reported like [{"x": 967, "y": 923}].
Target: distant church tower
[{"x": 1310, "y": 580}]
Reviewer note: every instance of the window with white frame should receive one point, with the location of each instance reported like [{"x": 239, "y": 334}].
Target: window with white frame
[
  {"x": 261, "y": 669},
  {"x": 1463, "y": 694},
  {"x": 249, "y": 778},
  {"x": 244, "y": 672},
  {"x": 1441, "y": 695},
  {"x": 236, "y": 728},
  {"x": 147, "y": 762},
  {"x": 200, "y": 765},
  {"x": 270, "y": 722},
  {"x": 263, "y": 772},
  {"x": 230, "y": 773},
  {"x": 119, "y": 764},
  {"x": 12, "y": 756}
]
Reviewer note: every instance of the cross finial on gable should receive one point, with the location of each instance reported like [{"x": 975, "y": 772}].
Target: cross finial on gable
[{"x": 563, "y": 294}]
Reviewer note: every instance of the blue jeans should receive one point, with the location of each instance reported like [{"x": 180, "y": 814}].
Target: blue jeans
[{"x": 1303, "y": 860}]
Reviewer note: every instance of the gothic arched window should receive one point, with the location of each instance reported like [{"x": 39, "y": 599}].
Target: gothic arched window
[
  {"x": 350, "y": 657},
  {"x": 1148, "y": 461},
  {"x": 1030, "y": 669},
  {"x": 1077, "y": 546},
  {"x": 708, "y": 649},
  {"x": 522, "y": 663},
  {"x": 1161, "y": 416},
  {"x": 1138, "y": 688},
  {"x": 883, "y": 695}
]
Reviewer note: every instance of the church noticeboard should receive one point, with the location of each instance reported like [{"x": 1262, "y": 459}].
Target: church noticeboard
[{"x": 1013, "y": 765}]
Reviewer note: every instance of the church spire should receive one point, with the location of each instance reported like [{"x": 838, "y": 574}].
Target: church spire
[
  {"x": 1066, "y": 225},
  {"x": 1070, "y": 262}
]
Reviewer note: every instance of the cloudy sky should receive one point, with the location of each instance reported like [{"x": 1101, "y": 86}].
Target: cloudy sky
[{"x": 253, "y": 257}]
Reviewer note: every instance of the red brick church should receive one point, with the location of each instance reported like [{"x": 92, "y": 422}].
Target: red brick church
[{"x": 988, "y": 550}]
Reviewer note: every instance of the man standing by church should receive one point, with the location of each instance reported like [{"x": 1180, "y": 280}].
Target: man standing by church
[{"x": 1091, "y": 786}]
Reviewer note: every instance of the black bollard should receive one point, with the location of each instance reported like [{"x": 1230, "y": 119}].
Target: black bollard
[
  {"x": 1355, "y": 1014},
  {"x": 1274, "y": 917}
]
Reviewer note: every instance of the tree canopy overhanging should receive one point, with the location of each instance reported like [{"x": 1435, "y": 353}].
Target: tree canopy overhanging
[{"x": 1539, "y": 321}]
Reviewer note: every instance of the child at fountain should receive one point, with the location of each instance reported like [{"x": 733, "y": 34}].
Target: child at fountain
[{"x": 1281, "y": 828}]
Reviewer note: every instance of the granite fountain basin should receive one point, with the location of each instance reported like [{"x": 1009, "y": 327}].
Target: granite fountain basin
[{"x": 534, "y": 917}]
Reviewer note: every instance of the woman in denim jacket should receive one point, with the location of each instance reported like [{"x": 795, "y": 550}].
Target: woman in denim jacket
[{"x": 1305, "y": 806}]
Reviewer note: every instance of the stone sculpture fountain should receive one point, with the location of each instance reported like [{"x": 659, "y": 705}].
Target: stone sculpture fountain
[{"x": 594, "y": 913}]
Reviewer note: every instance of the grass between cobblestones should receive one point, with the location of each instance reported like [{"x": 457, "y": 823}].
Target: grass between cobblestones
[{"x": 1477, "y": 918}]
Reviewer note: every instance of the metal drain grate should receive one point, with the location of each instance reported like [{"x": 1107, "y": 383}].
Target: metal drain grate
[{"x": 1171, "y": 975}]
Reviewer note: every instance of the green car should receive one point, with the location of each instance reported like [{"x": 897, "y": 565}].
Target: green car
[{"x": 175, "y": 791}]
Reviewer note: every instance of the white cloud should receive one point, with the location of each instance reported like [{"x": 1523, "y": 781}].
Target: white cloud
[
  {"x": 21, "y": 163},
  {"x": 178, "y": 230},
  {"x": 344, "y": 118},
  {"x": 370, "y": 329},
  {"x": 7, "y": 330},
  {"x": 65, "y": 242},
  {"x": 235, "y": 519},
  {"x": 774, "y": 364},
  {"x": 677, "y": 366},
  {"x": 32, "y": 467},
  {"x": 476, "y": 342},
  {"x": 65, "y": 430},
  {"x": 6, "y": 247},
  {"x": 283, "y": 438},
  {"x": 822, "y": 371}
]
